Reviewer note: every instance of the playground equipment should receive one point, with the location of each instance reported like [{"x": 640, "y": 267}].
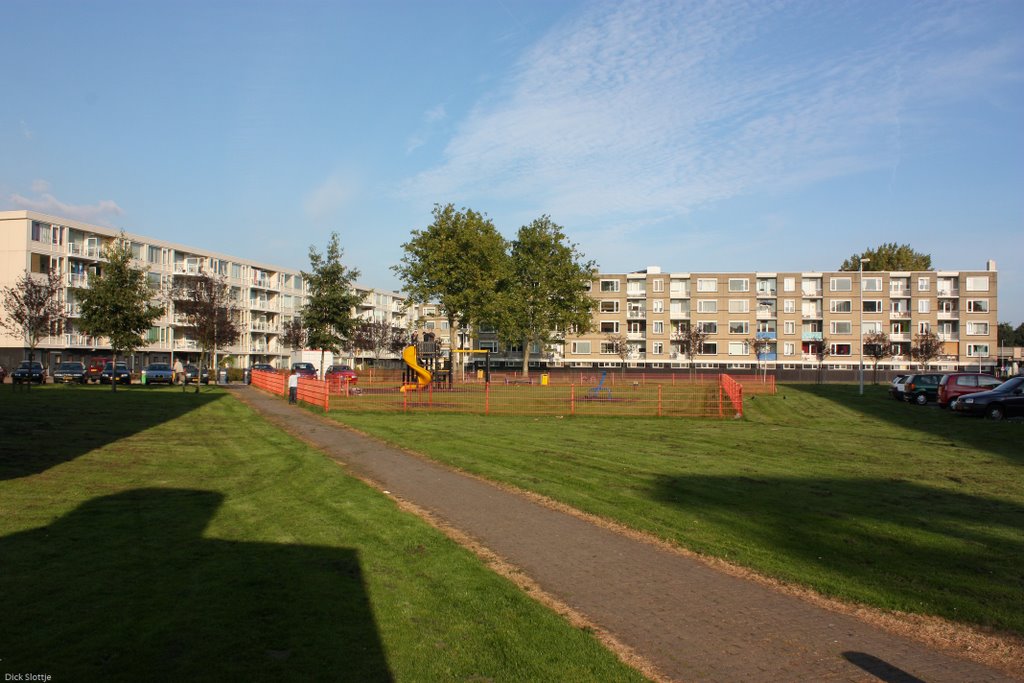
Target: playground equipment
[
  {"x": 595, "y": 392},
  {"x": 423, "y": 376},
  {"x": 427, "y": 363}
]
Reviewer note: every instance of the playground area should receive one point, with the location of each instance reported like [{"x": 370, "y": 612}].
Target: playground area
[{"x": 428, "y": 384}]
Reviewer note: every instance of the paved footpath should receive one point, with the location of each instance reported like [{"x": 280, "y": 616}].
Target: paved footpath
[{"x": 691, "y": 622}]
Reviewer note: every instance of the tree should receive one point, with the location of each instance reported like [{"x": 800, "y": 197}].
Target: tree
[
  {"x": 926, "y": 348},
  {"x": 545, "y": 289},
  {"x": 117, "y": 304},
  {"x": 379, "y": 336},
  {"x": 457, "y": 262},
  {"x": 822, "y": 351},
  {"x": 205, "y": 302},
  {"x": 34, "y": 309},
  {"x": 327, "y": 315},
  {"x": 876, "y": 347},
  {"x": 890, "y": 256},
  {"x": 619, "y": 344},
  {"x": 690, "y": 339},
  {"x": 1008, "y": 335},
  {"x": 293, "y": 334},
  {"x": 759, "y": 346}
]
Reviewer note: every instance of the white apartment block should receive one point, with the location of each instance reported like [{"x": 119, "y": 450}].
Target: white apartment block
[
  {"x": 795, "y": 312},
  {"x": 266, "y": 295}
]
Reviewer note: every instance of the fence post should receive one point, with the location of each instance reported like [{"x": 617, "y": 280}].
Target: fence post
[
  {"x": 487, "y": 398},
  {"x": 405, "y": 401},
  {"x": 659, "y": 400},
  {"x": 572, "y": 399},
  {"x": 721, "y": 408}
]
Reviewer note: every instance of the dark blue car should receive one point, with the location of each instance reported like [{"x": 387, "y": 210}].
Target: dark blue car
[{"x": 1006, "y": 400}]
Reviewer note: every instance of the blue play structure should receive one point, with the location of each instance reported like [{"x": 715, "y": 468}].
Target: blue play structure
[{"x": 595, "y": 392}]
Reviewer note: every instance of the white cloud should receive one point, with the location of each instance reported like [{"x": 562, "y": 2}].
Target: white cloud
[
  {"x": 324, "y": 202},
  {"x": 640, "y": 109},
  {"x": 26, "y": 132},
  {"x": 435, "y": 114},
  {"x": 100, "y": 213}
]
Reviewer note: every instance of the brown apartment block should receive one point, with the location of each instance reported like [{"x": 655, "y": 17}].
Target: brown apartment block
[{"x": 794, "y": 311}]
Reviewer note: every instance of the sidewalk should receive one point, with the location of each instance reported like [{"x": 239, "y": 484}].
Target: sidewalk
[{"x": 691, "y": 622}]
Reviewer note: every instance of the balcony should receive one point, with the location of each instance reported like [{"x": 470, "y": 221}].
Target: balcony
[
  {"x": 948, "y": 315},
  {"x": 187, "y": 268},
  {"x": 810, "y": 336},
  {"x": 635, "y": 336},
  {"x": 73, "y": 310},
  {"x": 899, "y": 337},
  {"x": 899, "y": 315},
  {"x": 766, "y": 313},
  {"x": 78, "y": 340},
  {"x": 768, "y": 356},
  {"x": 679, "y": 315},
  {"x": 766, "y": 335},
  {"x": 78, "y": 280},
  {"x": 186, "y": 345},
  {"x": 948, "y": 337},
  {"x": 637, "y": 314}
]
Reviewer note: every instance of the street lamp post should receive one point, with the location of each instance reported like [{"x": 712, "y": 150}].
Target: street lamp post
[{"x": 860, "y": 321}]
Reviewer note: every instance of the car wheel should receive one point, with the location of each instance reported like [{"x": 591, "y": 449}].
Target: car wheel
[
  {"x": 921, "y": 399},
  {"x": 995, "y": 413}
]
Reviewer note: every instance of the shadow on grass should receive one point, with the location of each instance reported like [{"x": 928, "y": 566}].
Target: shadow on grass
[
  {"x": 1003, "y": 440},
  {"x": 126, "y": 588},
  {"x": 887, "y": 542},
  {"x": 51, "y": 425}
]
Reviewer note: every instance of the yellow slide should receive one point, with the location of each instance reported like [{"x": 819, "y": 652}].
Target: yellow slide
[{"x": 422, "y": 374}]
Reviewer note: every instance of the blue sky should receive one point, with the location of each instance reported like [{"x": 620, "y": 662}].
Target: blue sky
[{"x": 724, "y": 135}]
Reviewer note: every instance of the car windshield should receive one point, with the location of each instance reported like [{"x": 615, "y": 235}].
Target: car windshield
[
  {"x": 1010, "y": 384},
  {"x": 70, "y": 367},
  {"x": 159, "y": 366},
  {"x": 27, "y": 365}
]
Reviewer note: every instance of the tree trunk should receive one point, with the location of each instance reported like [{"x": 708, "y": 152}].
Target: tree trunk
[
  {"x": 453, "y": 344},
  {"x": 526, "y": 358},
  {"x": 113, "y": 371}
]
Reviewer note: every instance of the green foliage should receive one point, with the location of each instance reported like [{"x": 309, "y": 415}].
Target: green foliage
[
  {"x": 926, "y": 347},
  {"x": 32, "y": 307},
  {"x": 456, "y": 261},
  {"x": 890, "y": 256},
  {"x": 205, "y": 303},
  {"x": 327, "y": 315},
  {"x": 117, "y": 304},
  {"x": 1010, "y": 336},
  {"x": 545, "y": 290}
]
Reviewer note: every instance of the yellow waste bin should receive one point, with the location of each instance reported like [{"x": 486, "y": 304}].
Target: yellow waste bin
[
  {"x": 479, "y": 374},
  {"x": 544, "y": 379}
]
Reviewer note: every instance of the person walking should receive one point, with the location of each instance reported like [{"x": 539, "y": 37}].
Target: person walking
[
  {"x": 179, "y": 370},
  {"x": 293, "y": 387}
]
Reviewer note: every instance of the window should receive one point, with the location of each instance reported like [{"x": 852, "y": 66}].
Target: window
[
  {"x": 977, "y": 350},
  {"x": 739, "y": 349},
  {"x": 658, "y": 327},
  {"x": 609, "y": 285},
  {"x": 658, "y": 348},
  {"x": 922, "y": 284},
  {"x": 609, "y": 306},
  {"x": 871, "y": 284},
  {"x": 609, "y": 326},
  {"x": 789, "y": 284},
  {"x": 789, "y": 327},
  {"x": 977, "y": 329},
  {"x": 709, "y": 349},
  {"x": 923, "y": 328},
  {"x": 708, "y": 327},
  {"x": 811, "y": 286},
  {"x": 707, "y": 306},
  {"x": 977, "y": 283},
  {"x": 739, "y": 284},
  {"x": 658, "y": 285},
  {"x": 489, "y": 346},
  {"x": 636, "y": 287},
  {"x": 581, "y": 347},
  {"x": 873, "y": 306},
  {"x": 840, "y": 349},
  {"x": 840, "y": 306},
  {"x": 739, "y": 306},
  {"x": 739, "y": 327},
  {"x": 789, "y": 305},
  {"x": 607, "y": 348},
  {"x": 789, "y": 349},
  {"x": 871, "y": 328},
  {"x": 977, "y": 305},
  {"x": 681, "y": 287},
  {"x": 924, "y": 305},
  {"x": 841, "y": 327},
  {"x": 707, "y": 285},
  {"x": 841, "y": 284},
  {"x": 658, "y": 306}
]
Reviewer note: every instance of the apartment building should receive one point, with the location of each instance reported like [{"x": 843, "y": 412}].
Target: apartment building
[
  {"x": 795, "y": 313},
  {"x": 265, "y": 295}
]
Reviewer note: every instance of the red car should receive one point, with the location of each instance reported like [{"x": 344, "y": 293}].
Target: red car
[
  {"x": 342, "y": 373},
  {"x": 304, "y": 370},
  {"x": 957, "y": 384}
]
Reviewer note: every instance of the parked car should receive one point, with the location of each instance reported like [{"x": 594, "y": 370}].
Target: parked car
[
  {"x": 116, "y": 372},
  {"x": 192, "y": 372},
  {"x": 1006, "y": 400},
  {"x": 921, "y": 388},
  {"x": 28, "y": 371},
  {"x": 157, "y": 373},
  {"x": 95, "y": 369},
  {"x": 69, "y": 373},
  {"x": 896, "y": 387},
  {"x": 957, "y": 384},
  {"x": 264, "y": 367},
  {"x": 343, "y": 373},
  {"x": 304, "y": 369}
]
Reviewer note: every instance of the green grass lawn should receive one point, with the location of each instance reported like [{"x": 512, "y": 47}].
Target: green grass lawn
[
  {"x": 154, "y": 534},
  {"x": 859, "y": 498}
]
